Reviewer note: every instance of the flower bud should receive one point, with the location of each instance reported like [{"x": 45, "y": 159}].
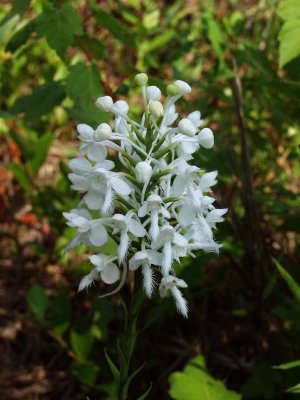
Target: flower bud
[
  {"x": 120, "y": 107},
  {"x": 156, "y": 109},
  {"x": 206, "y": 138},
  {"x": 153, "y": 93},
  {"x": 143, "y": 172},
  {"x": 172, "y": 90},
  {"x": 102, "y": 132},
  {"x": 141, "y": 79},
  {"x": 186, "y": 127},
  {"x": 85, "y": 132},
  {"x": 183, "y": 87},
  {"x": 104, "y": 103}
]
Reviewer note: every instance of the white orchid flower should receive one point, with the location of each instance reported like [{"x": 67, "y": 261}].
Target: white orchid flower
[
  {"x": 145, "y": 259},
  {"x": 171, "y": 283},
  {"x": 104, "y": 269}
]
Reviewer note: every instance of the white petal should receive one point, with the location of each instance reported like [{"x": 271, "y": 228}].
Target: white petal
[
  {"x": 97, "y": 260},
  {"x": 143, "y": 210},
  {"x": 93, "y": 200},
  {"x": 136, "y": 228},
  {"x": 120, "y": 186},
  {"x": 96, "y": 152},
  {"x": 189, "y": 147},
  {"x": 80, "y": 182},
  {"x": 216, "y": 215},
  {"x": 148, "y": 280},
  {"x": 88, "y": 279},
  {"x": 86, "y": 132},
  {"x": 186, "y": 215},
  {"x": 110, "y": 274},
  {"x": 179, "y": 240},
  {"x": 181, "y": 303},
  {"x": 179, "y": 185},
  {"x": 207, "y": 180},
  {"x": 80, "y": 165},
  {"x": 105, "y": 164},
  {"x": 155, "y": 257},
  {"x": 98, "y": 234},
  {"x": 195, "y": 117}
]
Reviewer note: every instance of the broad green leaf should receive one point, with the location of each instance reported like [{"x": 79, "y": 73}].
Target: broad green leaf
[
  {"x": 86, "y": 372},
  {"x": 59, "y": 314},
  {"x": 59, "y": 26},
  {"x": 113, "y": 25},
  {"x": 40, "y": 101},
  {"x": 20, "y": 6},
  {"x": 289, "y": 280},
  {"x": 81, "y": 338},
  {"x": 83, "y": 83},
  {"x": 41, "y": 151},
  {"x": 195, "y": 383},
  {"x": 21, "y": 176},
  {"x": 289, "y": 36},
  {"x": 20, "y": 37},
  {"x": 37, "y": 301},
  {"x": 289, "y": 365}
]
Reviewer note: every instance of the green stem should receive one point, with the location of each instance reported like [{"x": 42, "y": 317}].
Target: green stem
[{"x": 127, "y": 343}]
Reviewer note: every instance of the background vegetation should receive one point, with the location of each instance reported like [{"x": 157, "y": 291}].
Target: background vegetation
[{"x": 242, "y": 60}]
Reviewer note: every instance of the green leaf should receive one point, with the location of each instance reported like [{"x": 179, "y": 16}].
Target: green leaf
[
  {"x": 41, "y": 151},
  {"x": 289, "y": 280},
  {"x": 113, "y": 368},
  {"x": 294, "y": 389},
  {"x": 215, "y": 36},
  {"x": 40, "y": 101},
  {"x": 81, "y": 338},
  {"x": 59, "y": 314},
  {"x": 37, "y": 301},
  {"x": 21, "y": 176},
  {"x": 20, "y": 6},
  {"x": 59, "y": 26},
  {"x": 195, "y": 383},
  {"x": 289, "y": 365},
  {"x": 113, "y": 25},
  {"x": 83, "y": 83},
  {"x": 144, "y": 395},
  {"x": 20, "y": 37},
  {"x": 85, "y": 372},
  {"x": 289, "y": 35}
]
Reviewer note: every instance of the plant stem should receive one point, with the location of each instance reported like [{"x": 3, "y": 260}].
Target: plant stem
[{"x": 128, "y": 341}]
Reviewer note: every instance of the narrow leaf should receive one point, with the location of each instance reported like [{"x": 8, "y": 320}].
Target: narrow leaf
[
  {"x": 289, "y": 280},
  {"x": 113, "y": 368},
  {"x": 289, "y": 365}
]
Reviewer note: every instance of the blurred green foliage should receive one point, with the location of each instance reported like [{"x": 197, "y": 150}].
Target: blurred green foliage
[{"x": 242, "y": 60}]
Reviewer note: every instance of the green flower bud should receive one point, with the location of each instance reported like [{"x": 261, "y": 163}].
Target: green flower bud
[
  {"x": 172, "y": 90},
  {"x": 141, "y": 79},
  {"x": 156, "y": 109}
]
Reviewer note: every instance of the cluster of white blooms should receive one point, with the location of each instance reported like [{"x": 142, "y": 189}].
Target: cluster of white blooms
[{"x": 153, "y": 203}]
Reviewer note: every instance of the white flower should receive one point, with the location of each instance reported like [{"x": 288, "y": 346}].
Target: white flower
[
  {"x": 143, "y": 171},
  {"x": 104, "y": 103},
  {"x": 145, "y": 259},
  {"x": 206, "y": 138},
  {"x": 183, "y": 87},
  {"x": 153, "y": 93},
  {"x": 123, "y": 224},
  {"x": 186, "y": 127},
  {"x": 168, "y": 236},
  {"x": 102, "y": 132},
  {"x": 104, "y": 269},
  {"x": 156, "y": 109},
  {"x": 171, "y": 283},
  {"x": 91, "y": 232},
  {"x": 153, "y": 201}
]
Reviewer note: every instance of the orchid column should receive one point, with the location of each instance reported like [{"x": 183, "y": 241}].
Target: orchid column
[{"x": 157, "y": 207}]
